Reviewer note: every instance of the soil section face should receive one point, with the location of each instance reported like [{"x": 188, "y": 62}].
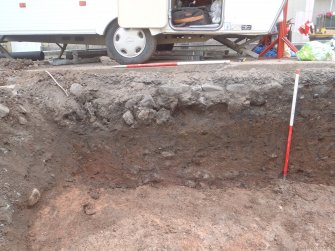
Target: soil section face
[{"x": 184, "y": 158}]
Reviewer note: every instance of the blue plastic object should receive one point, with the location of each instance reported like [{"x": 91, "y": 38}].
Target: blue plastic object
[{"x": 271, "y": 53}]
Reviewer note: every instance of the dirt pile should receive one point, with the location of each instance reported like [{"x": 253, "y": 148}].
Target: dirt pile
[
  {"x": 220, "y": 131},
  {"x": 16, "y": 64}
]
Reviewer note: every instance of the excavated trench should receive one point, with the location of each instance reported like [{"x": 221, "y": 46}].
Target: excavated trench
[{"x": 221, "y": 129}]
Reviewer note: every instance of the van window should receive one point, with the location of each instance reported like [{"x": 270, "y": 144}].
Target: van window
[{"x": 196, "y": 13}]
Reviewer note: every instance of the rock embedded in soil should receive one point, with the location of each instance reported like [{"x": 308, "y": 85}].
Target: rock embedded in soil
[
  {"x": 169, "y": 103},
  {"x": 95, "y": 195},
  {"x": 257, "y": 99},
  {"x": 189, "y": 98},
  {"x": 128, "y": 118},
  {"x": 151, "y": 178},
  {"x": 4, "y": 111},
  {"x": 23, "y": 110},
  {"x": 137, "y": 85},
  {"x": 239, "y": 89},
  {"x": 163, "y": 116},
  {"x": 146, "y": 115},
  {"x": 148, "y": 102},
  {"x": 168, "y": 154},
  {"x": 316, "y": 95},
  {"x": 132, "y": 102},
  {"x": 211, "y": 88},
  {"x": 190, "y": 183},
  {"x": 173, "y": 90},
  {"x": 76, "y": 89},
  {"x": 6, "y": 212},
  {"x": 134, "y": 169},
  {"x": 89, "y": 209},
  {"x": 34, "y": 197},
  {"x": 274, "y": 156},
  {"x": 273, "y": 85},
  {"x": 70, "y": 179},
  {"x": 6, "y": 92},
  {"x": 22, "y": 120}
]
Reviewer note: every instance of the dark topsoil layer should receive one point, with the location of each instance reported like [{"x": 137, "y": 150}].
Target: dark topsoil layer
[{"x": 208, "y": 127}]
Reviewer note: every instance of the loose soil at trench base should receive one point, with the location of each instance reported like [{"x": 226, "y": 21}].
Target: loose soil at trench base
[{"x": 185, "y": 158}]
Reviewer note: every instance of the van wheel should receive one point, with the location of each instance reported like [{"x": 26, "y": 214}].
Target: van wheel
[
  {"x": 129, "y": 46},
  {"x": 165, "y": 47}
]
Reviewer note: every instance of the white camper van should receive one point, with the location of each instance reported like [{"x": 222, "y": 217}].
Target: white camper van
[{"x": 133, "y": 30}]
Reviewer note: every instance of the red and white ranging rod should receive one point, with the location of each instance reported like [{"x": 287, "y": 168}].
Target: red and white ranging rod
[
  {"x": 290, "y": 131},
  {"x": 166, "y": 64}
]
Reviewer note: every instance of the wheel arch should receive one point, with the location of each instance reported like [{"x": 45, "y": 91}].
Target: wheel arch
[{"x": 102, "y": 29}]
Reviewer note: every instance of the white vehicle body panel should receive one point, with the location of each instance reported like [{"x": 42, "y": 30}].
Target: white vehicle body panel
[
  {"x": 55, "y": 17},
  {"x": 41, "y": 17},
  {"x": 260, "y": 14},
  {"x": 144, "y": 13}
]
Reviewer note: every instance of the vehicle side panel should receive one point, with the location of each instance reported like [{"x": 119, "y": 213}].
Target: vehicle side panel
[
  {"x": 53, "y": 17},
  {"x": 254, "y": 16},
  {"x": 144, "y": 13},
  {"x": 56, "y": 17}
]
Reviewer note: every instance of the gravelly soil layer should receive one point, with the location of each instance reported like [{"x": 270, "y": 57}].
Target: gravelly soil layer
[{"x": 175, "y": 159}]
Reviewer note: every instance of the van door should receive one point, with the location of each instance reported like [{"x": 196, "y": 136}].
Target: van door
[{"x": 143, "y": 13}]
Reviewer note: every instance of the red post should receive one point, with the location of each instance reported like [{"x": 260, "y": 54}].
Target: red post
[
  {"x": 281, "y": 44},
  {"x": 282, "y": 32},
  {"x": 282, "y": 39}
]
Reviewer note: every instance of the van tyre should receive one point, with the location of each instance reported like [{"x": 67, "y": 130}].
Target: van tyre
[{"x": 129, "y": 46}]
